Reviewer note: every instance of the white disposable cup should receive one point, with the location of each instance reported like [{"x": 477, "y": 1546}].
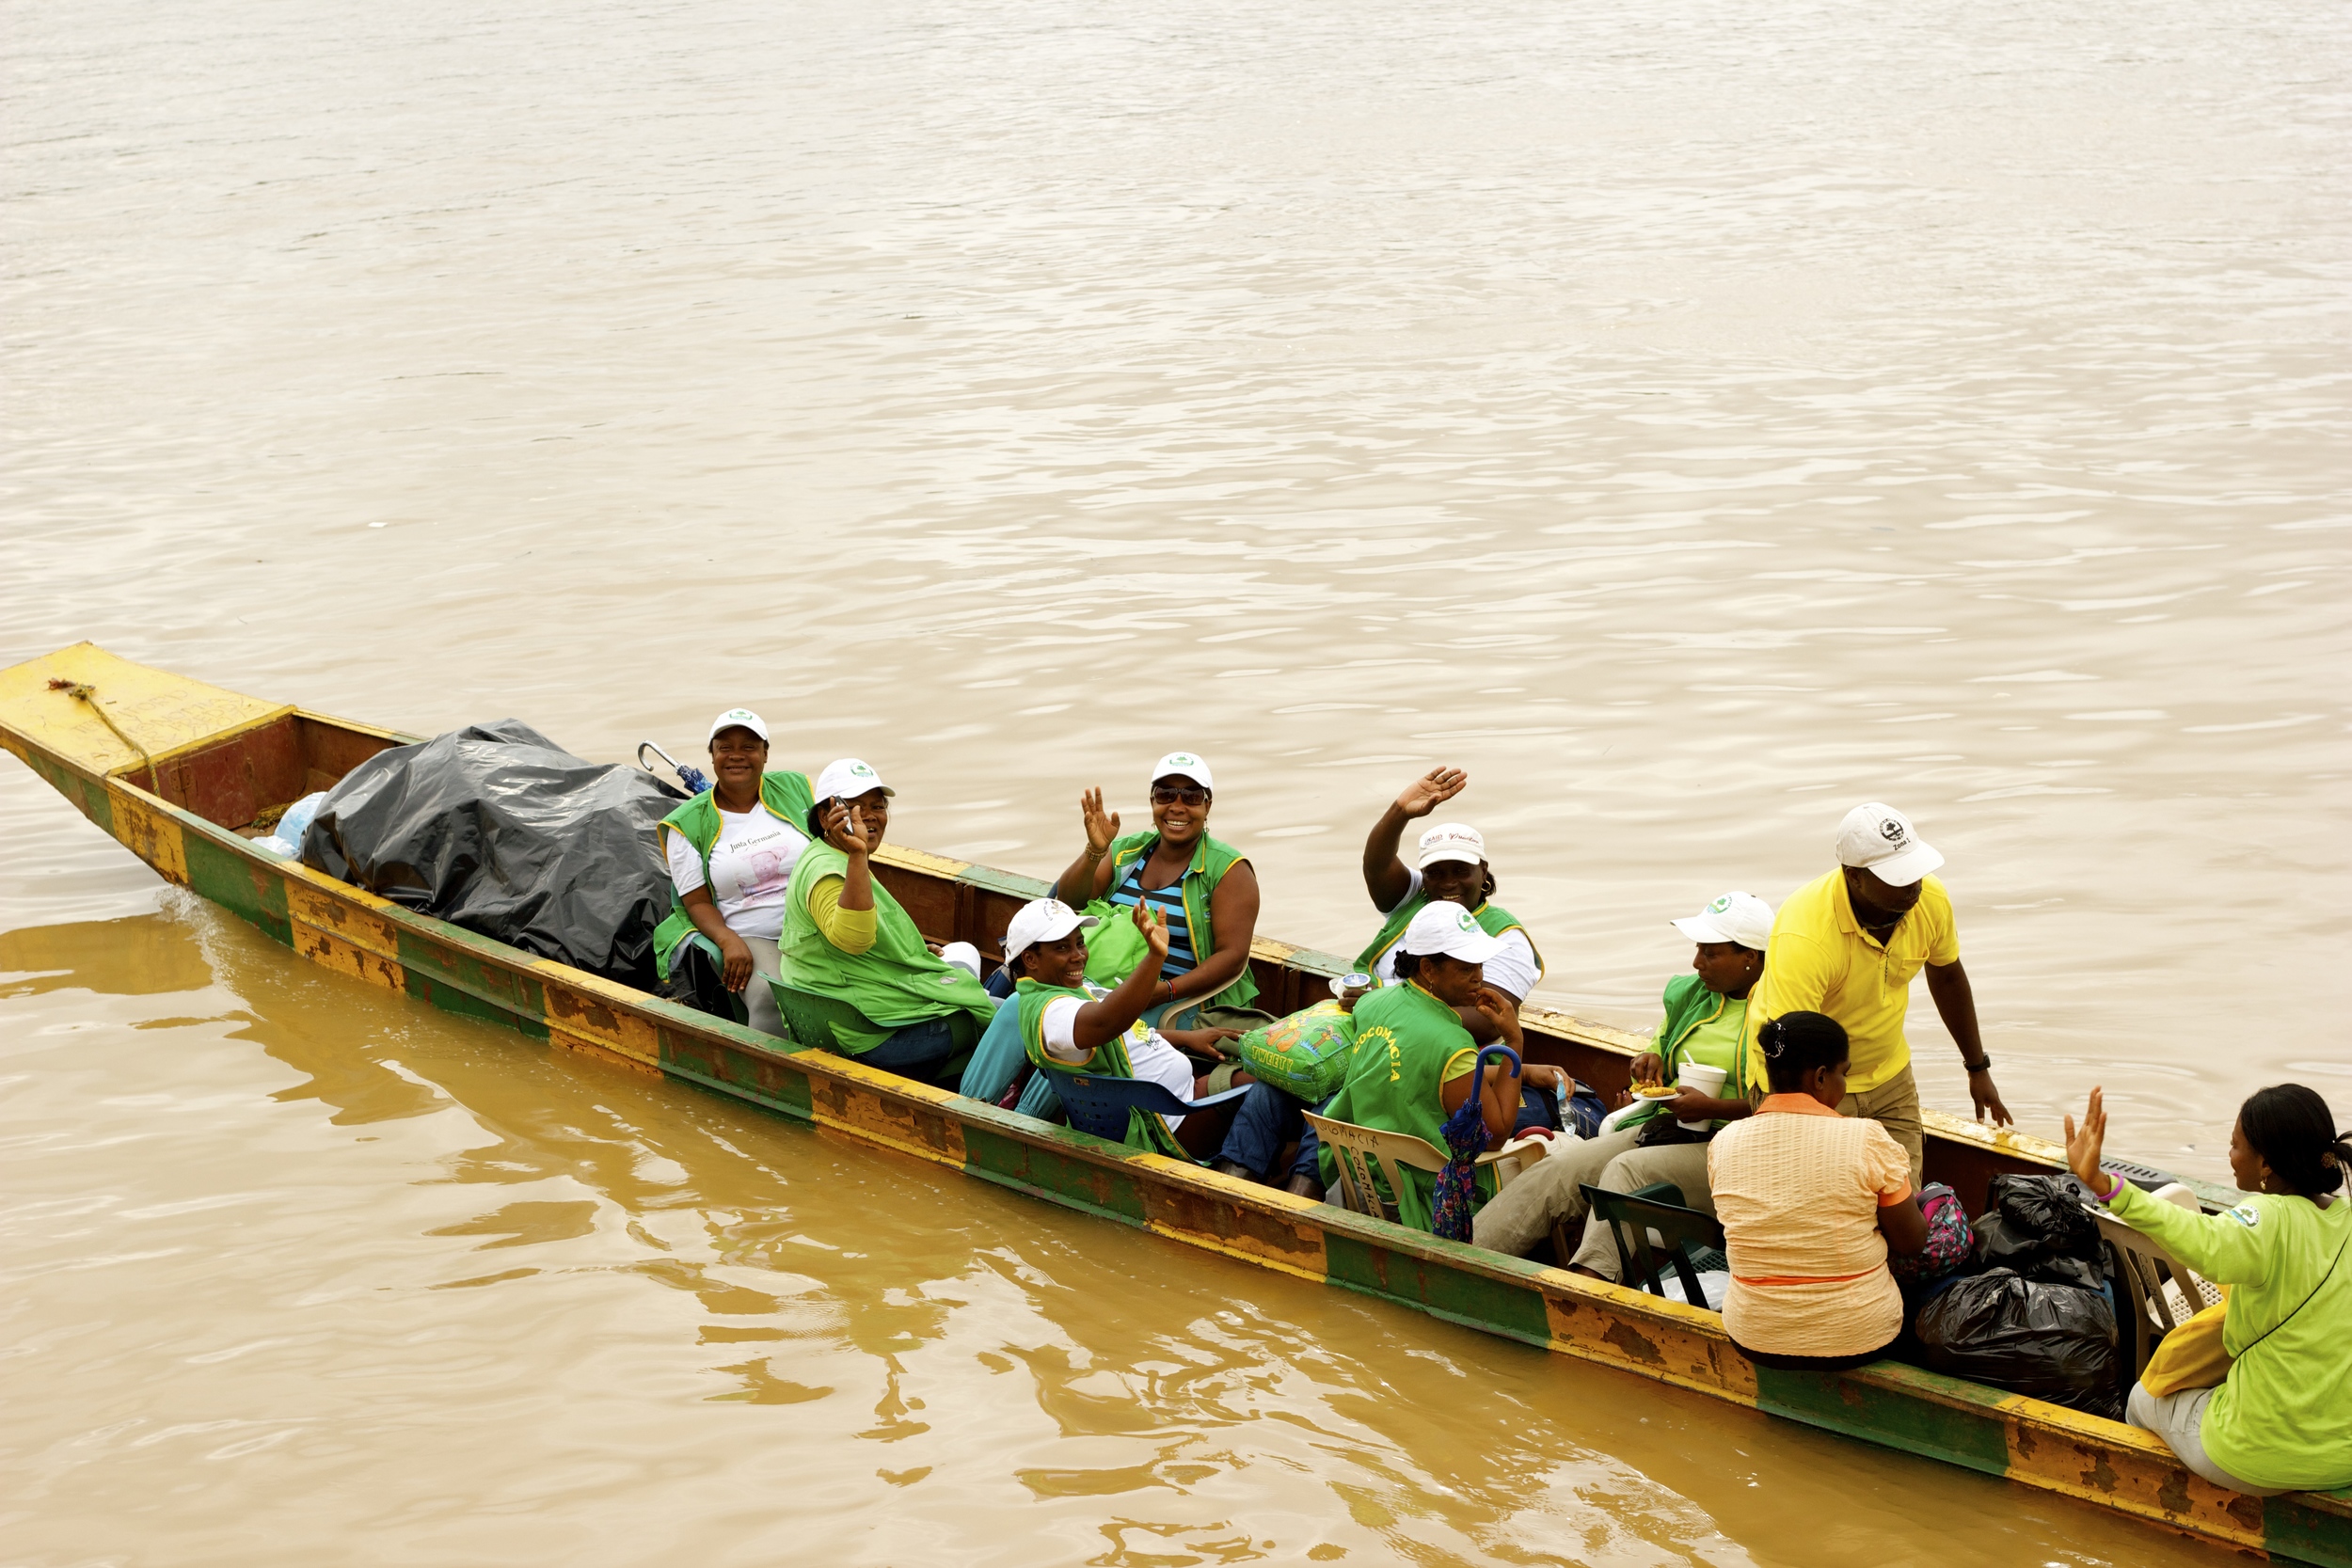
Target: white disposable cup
[{"x": 1707, "y": 1080}]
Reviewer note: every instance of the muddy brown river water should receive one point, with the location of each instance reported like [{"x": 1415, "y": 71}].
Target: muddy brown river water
[{"x": 1692, "y": 418}]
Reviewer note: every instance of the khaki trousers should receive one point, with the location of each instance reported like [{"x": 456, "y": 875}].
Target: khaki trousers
[
  {"x": 1895, "y": 1105},
  {"x": 1523, "y": 1213}
]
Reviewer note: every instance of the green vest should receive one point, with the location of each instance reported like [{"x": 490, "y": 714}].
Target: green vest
[
  {"x": 1145, "y": 1130},
  {"x": 785, "y": 795},
  {"x": 1115, "y": 947},
  {"x": 895, "y": 983},
  {"x": 1403, "y": 1038},
  {"x": 1493, "y": 919},
  {"x": 1690, "y": 1005}
]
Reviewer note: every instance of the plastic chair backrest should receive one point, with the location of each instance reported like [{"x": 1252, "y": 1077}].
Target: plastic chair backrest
[
  {"x": 1099, "y": 1105},
  {"x": 1633, "y": 1220},
  {"x": 1357, "y": 1151},
  {"x": 809, "y": 1019},
  {"x": 2151, "y": 1311}
]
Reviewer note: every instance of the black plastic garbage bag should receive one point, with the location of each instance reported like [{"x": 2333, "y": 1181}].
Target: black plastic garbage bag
[
  {"x": 2038, "y": 1225},
  {"x": 497, "y": 828},
  {"x": 2056, "y": 1342}
]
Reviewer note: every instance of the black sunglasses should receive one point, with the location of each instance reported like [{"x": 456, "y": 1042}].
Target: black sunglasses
[{"x": 1168, "y": 795}]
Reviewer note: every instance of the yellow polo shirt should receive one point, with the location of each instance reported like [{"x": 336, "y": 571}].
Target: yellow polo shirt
[{"x": 1820, "y": 960}]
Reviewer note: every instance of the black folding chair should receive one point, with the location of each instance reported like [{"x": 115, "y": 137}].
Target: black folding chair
[{"x": 1691, "y": 1243}]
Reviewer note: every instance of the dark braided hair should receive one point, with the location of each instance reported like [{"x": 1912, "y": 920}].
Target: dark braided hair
[
  {"x": 1796, "y": 1043},
  {"x": 2292, "y": 1129}
]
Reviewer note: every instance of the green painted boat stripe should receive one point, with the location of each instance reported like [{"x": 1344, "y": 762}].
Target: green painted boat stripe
[
  {"x": 2307, "y": 1529},
  {"x": 229, "y": 879},
  {"x": 773, "y": 1086},
  {"x": 487, "y": 982},
  {"x": 454, "y": 999},
  {"x": 1458, "y": 1295},
  {"x": 1047, "y": 1173},
  {"x": 1968, "y": 1431}
]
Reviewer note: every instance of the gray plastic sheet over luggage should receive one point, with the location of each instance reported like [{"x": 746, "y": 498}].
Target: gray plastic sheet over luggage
[{"x": 497, "y": 829}]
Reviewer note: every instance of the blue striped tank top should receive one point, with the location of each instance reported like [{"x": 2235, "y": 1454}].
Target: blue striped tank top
[{"x": 1169, "y": 903}]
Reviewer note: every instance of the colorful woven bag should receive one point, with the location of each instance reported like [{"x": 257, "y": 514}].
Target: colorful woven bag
[{"x": 1304, "y": 1055}]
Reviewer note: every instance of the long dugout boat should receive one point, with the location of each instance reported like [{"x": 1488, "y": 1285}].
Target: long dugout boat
[{"x": 175, "y": 769}]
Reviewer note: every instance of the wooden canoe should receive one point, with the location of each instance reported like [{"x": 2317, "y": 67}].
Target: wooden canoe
[{"x": 174, "y": 768}]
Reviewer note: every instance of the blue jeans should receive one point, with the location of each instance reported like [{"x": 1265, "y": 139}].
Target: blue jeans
[
  {"x": 1267, "y": 1120},
  {"x": 918, "y": 1051}
]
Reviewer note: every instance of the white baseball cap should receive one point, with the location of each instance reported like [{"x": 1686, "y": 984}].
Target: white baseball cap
[
  {"x": 1452, "y": 841},
  {"x": 1878, "y": 838},
  {"x": 1448, "y": 928},
  {"x": 738, "y": 718},
  {"x": 1740, "y": 917},
  {"x": 1041, "y": 919},
  {"x": 849, "y": 778},
  {"x": 1182, "y": 765}
]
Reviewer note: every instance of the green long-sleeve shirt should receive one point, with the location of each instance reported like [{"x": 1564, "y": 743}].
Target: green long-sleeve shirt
[{"x": 2284, "y": 1415}]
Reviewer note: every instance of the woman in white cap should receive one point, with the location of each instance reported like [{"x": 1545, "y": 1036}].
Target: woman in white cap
[
  {"x": 1202, "y": 887},
  {"x": 1705, "y": 1020},
  {"x": 731, "y": 851},
  {"x": 1449, "y": 867},
  {"x": 1069, "y": 1022},
  {"x": 846, "y": 938},
  {"x": 1414, "y": 1064}
]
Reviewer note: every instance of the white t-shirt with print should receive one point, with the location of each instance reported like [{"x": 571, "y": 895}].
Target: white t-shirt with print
[
  {"x": 1155, "y": 1059},
  {"x": 751, "y": 865},
  {"x": 1512, "y": 971}
]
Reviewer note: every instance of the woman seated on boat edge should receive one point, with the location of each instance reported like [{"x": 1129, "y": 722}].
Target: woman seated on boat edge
[
  {"x": 1071, "y": 1022},
  {"x": 1452, "y": 868},
  {"x": 2279, "y": 1419},
  {"x": 1706, "y": 1011},
  {"x": 1414, "y": 1062},
  {"x": 1811, "y": 1204},
  {"x": 846, "y": 938},
  {"x": 1202, "y": 887},
  {"x": 730, "y": 851}
]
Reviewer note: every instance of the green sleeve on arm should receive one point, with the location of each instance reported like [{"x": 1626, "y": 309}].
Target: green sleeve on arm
[
  {"x": 850, "y": 930},
  {"x": 2222, "y": 1247}
]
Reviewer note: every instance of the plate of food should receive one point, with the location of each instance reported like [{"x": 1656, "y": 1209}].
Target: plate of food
[{"x": 1656, "y": 1091}]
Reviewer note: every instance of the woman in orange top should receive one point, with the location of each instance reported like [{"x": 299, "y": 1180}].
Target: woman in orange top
[{"x": 1811, "y": 1203}]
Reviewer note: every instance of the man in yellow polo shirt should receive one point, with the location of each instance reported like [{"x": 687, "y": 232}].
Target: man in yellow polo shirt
[{"x": 1849, "y": 944}]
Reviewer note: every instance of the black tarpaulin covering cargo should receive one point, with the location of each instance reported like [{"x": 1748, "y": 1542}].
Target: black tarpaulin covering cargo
[{"x": 497, "y": 828}]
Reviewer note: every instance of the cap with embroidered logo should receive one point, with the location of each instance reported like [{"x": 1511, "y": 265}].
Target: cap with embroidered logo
[
  {"x": 740, "y": 719},
  {"x": 1738, "y": 917},
  {"x": 1448, "y": 928},
  {"x": 1452, "y": 841},
  {"x": 1040, "y": 920},
  {"x": 847, "y": 779},
  {"x": 1879, "y": 839},
  {"x": 1182, "y": 765}
]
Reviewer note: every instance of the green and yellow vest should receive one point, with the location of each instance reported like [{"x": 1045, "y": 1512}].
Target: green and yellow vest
[
  {"x": 1145, "y": 1130},
  {"x": 897, "y": 982},
  {"x": 1405, "y": 1039},
  {"x": 787, "y": 795},
  {"x": 1114, "y": 947}
]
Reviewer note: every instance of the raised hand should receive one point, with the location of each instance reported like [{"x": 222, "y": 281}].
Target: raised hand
[
  {"x": 1432, "y": 790},
  {"x": 1101, "y": 828},
  {"x": 845, "y": 829},
  {"x": 1155, "y": 928},
  {"x": 2085, "y": 1144}
]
